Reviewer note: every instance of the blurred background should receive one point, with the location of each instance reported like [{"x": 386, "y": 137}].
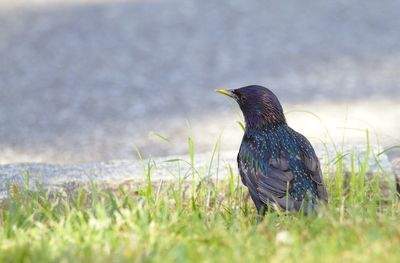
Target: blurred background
[{"x": 91, "y": 80}]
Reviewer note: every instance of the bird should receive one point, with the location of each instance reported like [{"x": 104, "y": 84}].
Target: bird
[{"x": 277, "y": 164}]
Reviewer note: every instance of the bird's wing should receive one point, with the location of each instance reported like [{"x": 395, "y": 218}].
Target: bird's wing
[
  {"x": 269, "y": 180},
  {"x": 248, "y": 175},
  {"x": 312, "y": 164}
]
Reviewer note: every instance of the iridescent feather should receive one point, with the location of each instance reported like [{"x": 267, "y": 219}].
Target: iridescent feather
[{"x": 277, "y": 164}]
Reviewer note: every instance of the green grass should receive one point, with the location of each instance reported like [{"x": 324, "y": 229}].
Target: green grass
[{"x": 202, "y": 219}]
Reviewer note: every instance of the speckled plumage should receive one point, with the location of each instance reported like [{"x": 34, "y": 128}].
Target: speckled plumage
[{"x": 277, "y": 164}]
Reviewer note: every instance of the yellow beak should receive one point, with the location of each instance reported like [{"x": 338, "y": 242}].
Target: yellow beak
[{"x": 225, "y": 92}]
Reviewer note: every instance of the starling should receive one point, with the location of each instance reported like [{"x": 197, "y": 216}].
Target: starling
[{"x": 277, "y": 164}]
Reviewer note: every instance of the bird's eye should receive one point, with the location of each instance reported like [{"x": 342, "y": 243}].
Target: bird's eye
[{"x": 240, "y": 97}]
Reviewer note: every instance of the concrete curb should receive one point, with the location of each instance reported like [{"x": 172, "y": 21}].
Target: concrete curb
[{"x": 113, "y": 174}]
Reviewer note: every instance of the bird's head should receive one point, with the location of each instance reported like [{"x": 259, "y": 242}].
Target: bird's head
[{"x": 260, "y": 107}]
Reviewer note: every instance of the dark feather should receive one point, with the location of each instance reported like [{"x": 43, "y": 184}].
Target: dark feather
[{"x": 278, "y": 165}]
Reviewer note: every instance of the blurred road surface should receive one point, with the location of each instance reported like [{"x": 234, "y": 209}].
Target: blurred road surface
[{"x": 89, "y": 80}]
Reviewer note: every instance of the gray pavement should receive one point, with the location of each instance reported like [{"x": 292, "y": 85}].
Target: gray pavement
[
  {"x": 88, "y": 80},
  {"x": 113, "y": 174}
]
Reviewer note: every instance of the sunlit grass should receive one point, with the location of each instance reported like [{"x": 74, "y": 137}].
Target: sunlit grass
[{"x": 200, "y": 218}]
